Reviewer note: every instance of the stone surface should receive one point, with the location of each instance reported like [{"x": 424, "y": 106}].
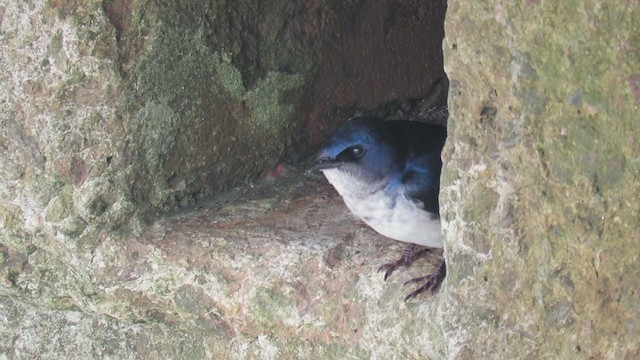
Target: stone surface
[
  {"x": 277, "y": 270},
  {"x": 542, "y": 180},
  {"x": 116, "y": 111}
]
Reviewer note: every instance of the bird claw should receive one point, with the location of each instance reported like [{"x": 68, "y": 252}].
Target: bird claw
[
  {"x": 429, "y": 282},
  {"x": 409, "y": 255},
  {"x": 391, "y": 267}
]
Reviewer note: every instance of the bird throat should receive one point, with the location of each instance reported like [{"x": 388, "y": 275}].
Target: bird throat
[{"x": 347, "y": 184}]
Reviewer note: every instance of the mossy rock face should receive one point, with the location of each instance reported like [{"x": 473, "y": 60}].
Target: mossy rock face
[
  {"x": 134, "y": 108},
  {"x": 121, "y": 110},
  {"x": 548, "y": 247},
  {"x": 117, "y": 112}
]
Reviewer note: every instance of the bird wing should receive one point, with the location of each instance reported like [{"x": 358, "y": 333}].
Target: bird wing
[
  {"x": 420, "y": 177},
  {"x": 421, "y": 182}
]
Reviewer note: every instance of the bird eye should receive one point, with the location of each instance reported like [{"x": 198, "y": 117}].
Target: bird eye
[{"x": 357, "y": 151}]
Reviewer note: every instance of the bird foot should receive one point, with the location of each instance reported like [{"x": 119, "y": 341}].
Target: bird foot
[
  {"x": 430, "y": 282},
  {"x": 409, "y": 255}
]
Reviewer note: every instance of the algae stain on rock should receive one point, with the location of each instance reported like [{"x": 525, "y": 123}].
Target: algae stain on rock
[
  {"x": 272, "y": 308},
  {"x": 270, "y": 111},
  {"x": 229, "y": 76},
  {"x": 157, "y": 124},
  {"x": 202, "y": 114}
]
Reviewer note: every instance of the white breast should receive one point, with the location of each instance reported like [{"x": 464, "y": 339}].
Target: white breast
[{"x": 397, "y": 218}]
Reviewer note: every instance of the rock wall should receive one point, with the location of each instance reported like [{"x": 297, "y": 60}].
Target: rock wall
[
  {"x": 542, "y": 180},
  {"x": 116, "y": 111}
]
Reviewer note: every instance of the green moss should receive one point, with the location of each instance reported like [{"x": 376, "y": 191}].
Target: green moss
[
  {"x": 179, "y": 68},
  {"x": 62, "y": 206},
  {"x": 465, "y": 267},
  {"x": 194, "y": 110},
  {"x": 183, "y": 70},
  {"x": 73, "y": 226},
  {"x": 65, "y": 303},
  {"x": 229, "y": 77},
  {"x": 44, "y": 188},
  {"x": 11, "y": 217},
  {"x": 340, "y": 351},
  {"x": 269, "y": 111},
  {"x": 190, "y": 299},
  {"x": 572, "y": 89},
  {"x": 157, "y": 125},
  {"x": 480, "y": 202},
  {"x": 272, "y": 308},
  {"x": 56, "y": 43}
]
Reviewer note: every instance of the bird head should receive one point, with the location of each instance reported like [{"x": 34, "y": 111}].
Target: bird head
[{"x": 358, "y": 148}]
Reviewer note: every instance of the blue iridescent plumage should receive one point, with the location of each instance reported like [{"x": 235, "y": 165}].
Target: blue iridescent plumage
[{"x": 388, "y": 173}]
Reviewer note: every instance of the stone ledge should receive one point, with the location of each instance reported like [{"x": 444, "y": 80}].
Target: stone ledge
[{"x": 279, "y": 270}]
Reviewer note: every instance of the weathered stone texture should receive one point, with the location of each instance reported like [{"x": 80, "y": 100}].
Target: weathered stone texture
[
  {"x": 115, "y": 111},
  {"x": 279, "y": 270},
  {"x": 542, "y": 180}
]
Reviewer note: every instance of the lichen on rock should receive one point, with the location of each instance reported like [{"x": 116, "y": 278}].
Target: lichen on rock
[
  {"x": 121, "y": 117},
  {"x": 545, "y": 254}
]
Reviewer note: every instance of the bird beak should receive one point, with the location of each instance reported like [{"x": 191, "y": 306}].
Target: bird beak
[{"x": 324, "y": 163}]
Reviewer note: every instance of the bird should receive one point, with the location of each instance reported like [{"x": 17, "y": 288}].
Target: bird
[{"x": 388, "y": 174}]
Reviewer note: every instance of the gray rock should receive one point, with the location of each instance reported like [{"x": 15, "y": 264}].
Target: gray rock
[
  {"x": 542, "y": 200},
  {"x": 117, "y": 114}
]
